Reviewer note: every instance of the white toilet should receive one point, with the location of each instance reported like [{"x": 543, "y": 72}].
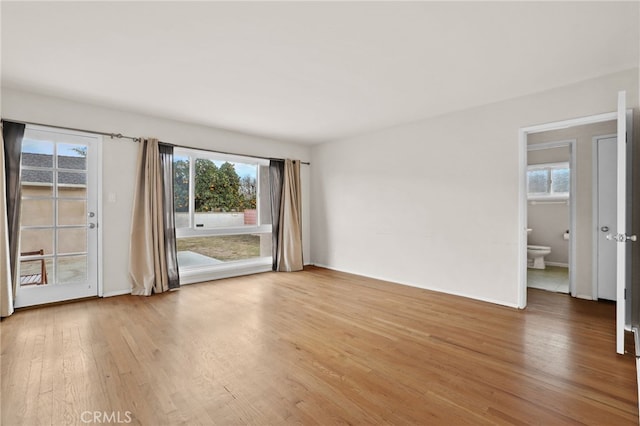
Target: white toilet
[{"x": 535, "y": 256}]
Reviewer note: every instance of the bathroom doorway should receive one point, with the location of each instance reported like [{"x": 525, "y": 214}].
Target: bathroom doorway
[{"x": 551, "y": 213}]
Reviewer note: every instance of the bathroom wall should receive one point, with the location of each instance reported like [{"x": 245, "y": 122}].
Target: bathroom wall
[
  {"x": 549, "y": 220},
  {"x": 583, "y": 197}
]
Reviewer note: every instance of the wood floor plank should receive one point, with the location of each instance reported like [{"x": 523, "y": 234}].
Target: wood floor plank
[{"x": 316, "y": 347}]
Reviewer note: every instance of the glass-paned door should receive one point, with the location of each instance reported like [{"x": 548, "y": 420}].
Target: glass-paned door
[{"x": 58, "y": 221}]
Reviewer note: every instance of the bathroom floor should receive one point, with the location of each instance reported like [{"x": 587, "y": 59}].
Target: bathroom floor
[{"x": 553, "y": 278}]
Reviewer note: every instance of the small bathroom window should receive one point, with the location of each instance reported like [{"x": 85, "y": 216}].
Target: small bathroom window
[{"x": 549, "y": 180}]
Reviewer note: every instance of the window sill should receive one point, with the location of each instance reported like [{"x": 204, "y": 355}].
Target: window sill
[
  {"x": 225, "y": 270},
  {"x": 549, "y": 198}
]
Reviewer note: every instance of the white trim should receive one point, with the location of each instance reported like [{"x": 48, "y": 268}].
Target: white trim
[
  {"x": 548, "y": 199},
  {"x": 630, "y": 228},
  {"x": 99, "y": 255},
  {"x": 191, "y": 276},
  {"x": 638, "y": 380},
  {"x": 573, "y": 215},
  {"x": 558, "y": 264},
  {"x": 621, "y": 220},
  {"x": 559, "y": 165},
  {"x": 425, "y": 287},
  {"x": 594, "y": 215},
  {"x": 236, "y": 230},
  {"x": 117, "y": 293},
  {"x": 549, "y": 145},
  {"x": 584, "y": 297},
  {"x": 49, "y": 184},
  {"x": 521, "y": 290},
  {"x": 557, "y": 125}
]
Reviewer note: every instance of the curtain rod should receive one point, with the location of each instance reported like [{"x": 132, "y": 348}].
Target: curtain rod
[
  {"x": 95, "y": 132},
  {"x": 135, "y": 139},
  {"x": 229, "y": 153}
]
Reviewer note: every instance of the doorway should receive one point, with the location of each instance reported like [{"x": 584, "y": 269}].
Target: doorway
[
  {"x": 59, "y": 216},
  {"x": 551, "y": 234},
  {"x": 605, "y": 124}
]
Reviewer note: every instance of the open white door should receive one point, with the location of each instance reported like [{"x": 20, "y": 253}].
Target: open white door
[{"x": 621, "y": 224}]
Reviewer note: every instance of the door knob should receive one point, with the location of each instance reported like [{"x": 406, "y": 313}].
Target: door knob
[
  {"x": 604, "y": 229},
  {"x": 622, "y": 238}
]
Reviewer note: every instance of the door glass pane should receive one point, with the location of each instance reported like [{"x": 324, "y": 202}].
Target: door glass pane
[
  {"x": 72, "y": 179},
  {"x": 72, "y": 212},
  {"x": 37, "y": 212},
  {"x": 37, "y": 153},
  {"x": 36, "y": 239},
  {"x": 36, "y": 272},
  {"x": 72, "y": 240},
  {"x": 36, "y": 183},
  {"x": 72, "y": 156},
  {"x": 72, "y": 269}
]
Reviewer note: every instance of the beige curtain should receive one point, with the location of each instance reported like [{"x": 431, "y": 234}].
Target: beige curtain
[
  {"x": 289, "y": 250},
  {"x": 6, "y": 287},
  {"x": 147, "y": 256}
]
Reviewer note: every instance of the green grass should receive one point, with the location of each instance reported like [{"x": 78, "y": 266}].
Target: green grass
[{"x": 224, "y": 247}]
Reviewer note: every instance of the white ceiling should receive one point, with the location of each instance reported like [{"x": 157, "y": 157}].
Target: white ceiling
[{"x": 309, "y": 72}]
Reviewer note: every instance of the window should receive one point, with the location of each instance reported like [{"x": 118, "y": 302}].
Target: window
[
  {"x": 222, "y": 212},
  {"x": 550, "y": 180}
]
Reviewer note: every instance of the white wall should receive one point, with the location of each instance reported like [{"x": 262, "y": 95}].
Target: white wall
[
  {"x": 458, "y": 177},
  {"x": 119, "y": 162}
]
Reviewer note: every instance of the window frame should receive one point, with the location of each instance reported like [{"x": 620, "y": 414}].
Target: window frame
[
  {"x": 549, "y": 194},
  {"x": 231, "y": 268},
  {"x": 192, "y": 231}
]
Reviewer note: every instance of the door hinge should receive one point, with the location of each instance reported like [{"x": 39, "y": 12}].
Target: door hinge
[{"x": 625, "y": 294}]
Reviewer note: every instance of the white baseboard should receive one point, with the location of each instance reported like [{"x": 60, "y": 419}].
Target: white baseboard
[
  {"x": 116, "y": 293},
  {"x": 584, "y": 296},
  {"x": 636, "y": 344},
  {"x": 425, "y": 287},
  {"x": 560, "y": 264}
]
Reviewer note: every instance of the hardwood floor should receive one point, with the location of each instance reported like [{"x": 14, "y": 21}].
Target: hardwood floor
[{"x": 315, "y": 347}]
